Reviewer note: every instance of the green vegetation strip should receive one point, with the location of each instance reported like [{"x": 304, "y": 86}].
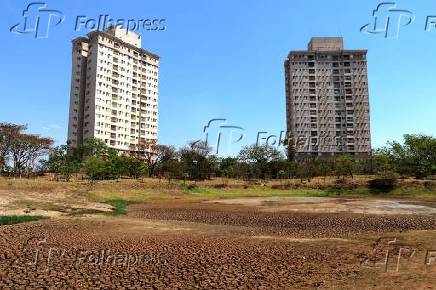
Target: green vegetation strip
[
  {"x": 15, "y": 219},
  {"x": 119, "y": 205},
  {"x": 191, "y": 188}
]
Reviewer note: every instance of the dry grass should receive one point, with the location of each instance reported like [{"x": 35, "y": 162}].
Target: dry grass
[{"x": 154, "y": 188}]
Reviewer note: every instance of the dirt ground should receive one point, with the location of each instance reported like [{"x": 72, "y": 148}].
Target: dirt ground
[
  {"x": 268, "y": 243},
  {"x": 336, "y": 205},
  {"x": 18, "y": 202}
]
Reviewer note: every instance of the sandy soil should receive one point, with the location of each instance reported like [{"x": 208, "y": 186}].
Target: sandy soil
[{"x": 17, "y": 202}]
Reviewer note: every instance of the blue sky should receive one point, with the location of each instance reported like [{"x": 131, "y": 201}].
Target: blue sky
[{"x": 224, "y": 59}]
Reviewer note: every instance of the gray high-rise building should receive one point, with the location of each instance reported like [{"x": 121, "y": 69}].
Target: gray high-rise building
[{"x": 327, "y": 102}]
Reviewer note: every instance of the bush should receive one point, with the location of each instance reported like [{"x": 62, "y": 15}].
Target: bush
[
  {"x": 384, "y": 183},
  {"x": 97, "y": 168},
  {"x": 341, "y": 184},
  {"x": 188, "y": 187},
  {"x": 430, "y": 185}
]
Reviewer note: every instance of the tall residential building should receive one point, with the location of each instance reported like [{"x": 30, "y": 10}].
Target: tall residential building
[
  {"x": 114, "y": 90},
  {"x": 327, "y": 102}
]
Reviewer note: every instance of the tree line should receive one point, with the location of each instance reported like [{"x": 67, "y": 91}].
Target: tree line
[{"x": 23, "y": 154}]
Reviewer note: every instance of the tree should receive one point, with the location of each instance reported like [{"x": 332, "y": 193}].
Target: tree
[
  {"x": 194, "y": 160},
  {"x": 282, "y": 174},
  {"x": 97, "y": 168},
  {"x": 135, "y": 167},
  {"x": 324, "y": 167},
  {"x": 119, "y": 166},
  {"x": 92, "y": 148},
  {"x": 169, "y": 164},
  {"x": 382, "y": 161},
  {"x": 213, "y": 166},
  {"x": 228, "y": 167},
  {"x": 291, "y": 169},
  {"x": 417, "y": 156},
  {"x": 8, "y": 133},
  {"x": 345, "y": 166},
  {"x": 2, "y": 164},
  {"x": 25, "y": 150},
  {"x": 153, "y": 154},
  {"x": 100, "y": 161},
  {"x": 306, "y": 169},
  {"x": 39, "y": 148},
  {"x": 171, "y": 169},
  {"x": 259, "y": 157},
  {"x": 62, "y": 162},
  {"x": 278, "y": 168},
  {"x": 419, "y": 153}
]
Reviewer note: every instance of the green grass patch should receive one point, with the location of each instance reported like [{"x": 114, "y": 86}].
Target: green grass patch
[
  {"x": 119, "y": 205},
  {"x": 15, "y": 219},
  {"x": 128, "y": 195},
  {"x": 192, "y": 188}
]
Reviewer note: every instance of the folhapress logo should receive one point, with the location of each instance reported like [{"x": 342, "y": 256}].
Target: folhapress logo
[
  {"x": 37, "y": 20},
  {"x": 388, "y": 20},
  {"x": 219, "y": 133}
]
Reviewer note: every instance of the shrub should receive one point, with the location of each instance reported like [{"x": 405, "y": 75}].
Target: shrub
[
  {"x": 188, "y": 187},
  {"x": 430, "y": 185},
  {"x": 384, "y": 183},
  {"x": 97, "y": 168},
  {"x": 342, "y": 184}
]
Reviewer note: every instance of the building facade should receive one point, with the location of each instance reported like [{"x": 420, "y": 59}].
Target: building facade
[
  {"x": 327, "y": 100},
  {"x": 114, "y": 90}
]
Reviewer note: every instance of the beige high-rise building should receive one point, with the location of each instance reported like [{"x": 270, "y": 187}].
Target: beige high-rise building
[
  {"x": 114, "y": 90},
  {"x": 327, "y": 102}
]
